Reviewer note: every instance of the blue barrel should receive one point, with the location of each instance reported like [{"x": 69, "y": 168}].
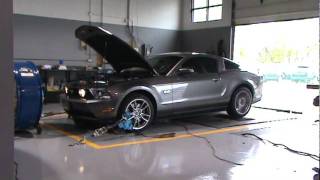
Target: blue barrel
[{"x": 29, "y": 95}]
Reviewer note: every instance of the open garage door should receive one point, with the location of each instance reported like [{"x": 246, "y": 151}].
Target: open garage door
[{"x": 287, "y": 55}]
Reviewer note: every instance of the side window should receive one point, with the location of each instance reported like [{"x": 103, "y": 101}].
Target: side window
[
  {"x": 202, "y": 65},
  {"x": 230, "y": 65},
  {"x": 210, "y": 65},
  {"x": 194, "y": 64}
]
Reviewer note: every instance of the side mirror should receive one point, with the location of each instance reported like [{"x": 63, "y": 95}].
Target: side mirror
[{"x": 184, "y": 71}]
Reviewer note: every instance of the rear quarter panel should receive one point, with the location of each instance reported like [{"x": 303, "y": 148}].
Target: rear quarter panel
[{"x": 236, "y": 78}]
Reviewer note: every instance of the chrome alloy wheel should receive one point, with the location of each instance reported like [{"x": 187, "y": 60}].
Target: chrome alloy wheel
[
  {"x": 243, "y": 101},
  {"x": 140, "y": 113}
]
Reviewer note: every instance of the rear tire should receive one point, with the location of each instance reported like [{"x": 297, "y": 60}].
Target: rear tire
[
  {"x": 240, "y": 103},
  {"x": 141, "y": 109}
]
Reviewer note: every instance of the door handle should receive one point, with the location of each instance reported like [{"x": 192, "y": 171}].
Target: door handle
[
  {"x": 167, "y": 91},
  {"x": 216, "y": 79}
]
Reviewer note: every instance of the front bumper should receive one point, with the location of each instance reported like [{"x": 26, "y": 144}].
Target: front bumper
[{"x": 90, "y": 109}]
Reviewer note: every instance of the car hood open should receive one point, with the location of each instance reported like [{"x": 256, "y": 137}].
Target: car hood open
[{"x": 117, "y": 52}]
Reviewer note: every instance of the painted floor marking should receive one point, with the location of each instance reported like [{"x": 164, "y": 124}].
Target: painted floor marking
[{"x": 153, "y": 140}]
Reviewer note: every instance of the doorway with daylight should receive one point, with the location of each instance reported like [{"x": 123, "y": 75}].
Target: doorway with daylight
[{"x": 286, "y": 54}]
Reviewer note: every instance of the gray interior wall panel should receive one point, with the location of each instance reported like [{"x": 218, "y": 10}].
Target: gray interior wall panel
[
  {"x": 162, "y": 40},
  {"x": 206, "y": 40},
  {"x": 7, "y": 90},
  {"x": 44, "y": 38},
  {"x": 52, "y": 39}
]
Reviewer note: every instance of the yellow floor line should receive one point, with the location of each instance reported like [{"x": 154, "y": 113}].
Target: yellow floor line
[
  {"x": 72, "y": 136},
  {"x": 145, "y": 141},
  {"x": 180, "y": 136}
]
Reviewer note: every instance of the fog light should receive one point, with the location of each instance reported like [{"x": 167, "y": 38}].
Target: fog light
[{"x": 82, "y": 93}]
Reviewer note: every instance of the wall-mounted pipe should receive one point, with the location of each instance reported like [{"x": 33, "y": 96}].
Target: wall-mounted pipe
[
  {"x": 90, "y": 12},
  {"x": 90, "y": 22},
  {"x": 128, "y": 12},
  {"x": 130, "y": 27},
  {"x": 101, "y": 9},
  {"x": 130, "y": 31}
]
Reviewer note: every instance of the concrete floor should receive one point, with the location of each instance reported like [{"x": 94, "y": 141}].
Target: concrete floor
[{"x": 53, "y": 155}]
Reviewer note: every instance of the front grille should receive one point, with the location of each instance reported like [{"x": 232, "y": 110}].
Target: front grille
[{"x": 73, "y": 93}]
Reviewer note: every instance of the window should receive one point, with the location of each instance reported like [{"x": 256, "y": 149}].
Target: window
[
  {"x": 195, "y": 65},
  {"x": 206, "y": 10},
  {"x": 230, "y": 65},
  {"x": 202, "y": 65},
  {"x": 163, "y": 64},
  {"x": 210, "y": 65}
]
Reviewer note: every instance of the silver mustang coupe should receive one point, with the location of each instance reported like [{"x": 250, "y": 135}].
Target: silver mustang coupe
[{"x": 168, "y": 84}]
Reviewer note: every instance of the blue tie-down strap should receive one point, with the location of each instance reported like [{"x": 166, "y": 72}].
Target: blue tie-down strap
[{"x": 126, "y": 123}]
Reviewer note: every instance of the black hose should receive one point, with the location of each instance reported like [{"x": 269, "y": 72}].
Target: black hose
[{"x": 313, "y": 156}]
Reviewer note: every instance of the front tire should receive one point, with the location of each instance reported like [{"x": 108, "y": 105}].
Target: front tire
[
  {"x": 140, "y": 109},
  {"x": 240, "y": 103}
]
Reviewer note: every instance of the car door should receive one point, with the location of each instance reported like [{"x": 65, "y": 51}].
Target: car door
[
  {"x": 162, "y": 84},
  {"x": 200, "y": 89}
]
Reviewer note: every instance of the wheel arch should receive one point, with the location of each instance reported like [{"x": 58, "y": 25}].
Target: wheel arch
[{"x": 246, "y": 85}]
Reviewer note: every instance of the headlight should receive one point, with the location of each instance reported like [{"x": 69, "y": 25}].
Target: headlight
[
  {"x": 100, "y": 93},
  {"x": 66, "y": 90},
  {"x": 82, "y": 93}
]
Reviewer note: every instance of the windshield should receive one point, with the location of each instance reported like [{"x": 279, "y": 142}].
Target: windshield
[{"x": 163, "y": 64}]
